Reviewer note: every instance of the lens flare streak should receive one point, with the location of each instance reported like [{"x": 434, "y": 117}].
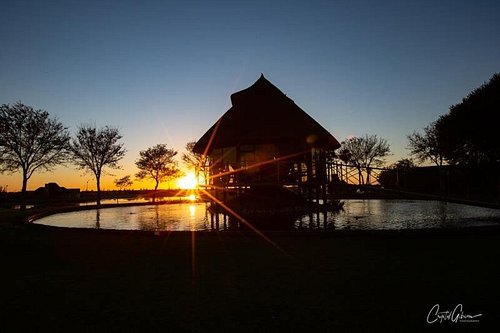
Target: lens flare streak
[{"x": 244, "y": 221}]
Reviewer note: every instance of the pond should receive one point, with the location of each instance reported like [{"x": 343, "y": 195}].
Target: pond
[
  {"x": 357, "y": 215},
  {"x": 405, "y": 214}
]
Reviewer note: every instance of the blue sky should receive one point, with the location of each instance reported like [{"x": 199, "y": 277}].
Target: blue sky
[{"x": 163, "y": 71}]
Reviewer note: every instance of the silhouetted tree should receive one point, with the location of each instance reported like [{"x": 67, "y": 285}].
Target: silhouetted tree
[
  {"x": 405, "y": 163},
  {"x": 470, "y": 128},
  {"x": 344, "y": 154},
  {"x": 395, "y": 175},
  {"x": 431, "y": 145},
  {"x": 157, "y": 163},
  {"x": 124, "y": 182},
  {"x": 195, "y": 161},
  {"x": 427, "y": 146},
  {"x": 30, "y": 141},
  {"x": 365, "y": 152},
  {"x": 93, "y": 149}
]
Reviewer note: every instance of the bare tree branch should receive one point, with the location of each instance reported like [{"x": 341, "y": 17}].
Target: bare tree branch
[
  {"x": 195, "y": 161},
  {"x": 94, "y": 149},
  {"x": 158, "y": 164},
  {"x": 30, "y": 140},
  {"x": 364, "y": 152}
]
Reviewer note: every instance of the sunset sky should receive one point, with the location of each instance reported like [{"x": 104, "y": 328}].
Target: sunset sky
[{"x": 163, "y": 71}]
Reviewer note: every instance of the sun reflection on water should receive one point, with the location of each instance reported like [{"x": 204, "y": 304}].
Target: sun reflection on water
[{"x": 192, "y": 210}]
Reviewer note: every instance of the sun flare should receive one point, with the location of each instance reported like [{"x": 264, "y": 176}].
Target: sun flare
[{"x": 188, "y": 182}]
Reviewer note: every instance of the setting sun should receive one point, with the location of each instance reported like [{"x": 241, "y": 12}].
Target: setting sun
[{"x": 188, "y": 182}]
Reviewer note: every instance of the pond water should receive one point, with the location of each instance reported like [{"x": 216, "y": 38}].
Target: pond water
[
  {"x": 356, "y": 215},
  {"x": 404, "y": 214},
  {"x": 173, "y": 217}
]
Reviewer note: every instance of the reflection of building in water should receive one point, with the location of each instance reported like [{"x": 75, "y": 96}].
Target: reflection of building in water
[
  {"x": 52, "y": 191},
  {"x": 266, "y": 141}
]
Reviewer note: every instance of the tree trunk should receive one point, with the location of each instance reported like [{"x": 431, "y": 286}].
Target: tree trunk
[
  {"x": 156, "y": 188},
  {"x": 25, "y": 183},
  {"x": 98, "y": 184},
  {"x": 23, "y": 190},
  {"x": 361, "y": 180}
]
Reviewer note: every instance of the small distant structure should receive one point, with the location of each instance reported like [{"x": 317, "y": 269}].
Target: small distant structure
[
  {"x": 266, "y": 141},
  {"x": 52, "y": 191}
]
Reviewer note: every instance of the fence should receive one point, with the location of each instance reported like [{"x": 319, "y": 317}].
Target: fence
[{"x": 353, "y": 175}]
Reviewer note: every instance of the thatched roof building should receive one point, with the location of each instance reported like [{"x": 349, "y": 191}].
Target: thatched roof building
[
  {"x": 262, "y": 114},
  {"x": 265, "y": 139},
  {"x": 267, "y": 157}
]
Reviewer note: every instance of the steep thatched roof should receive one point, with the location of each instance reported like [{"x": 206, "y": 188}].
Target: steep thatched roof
[{"x": 263, "y": 114}]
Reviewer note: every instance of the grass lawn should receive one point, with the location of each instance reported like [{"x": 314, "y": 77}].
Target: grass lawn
[{"x": 87, "y": 280}]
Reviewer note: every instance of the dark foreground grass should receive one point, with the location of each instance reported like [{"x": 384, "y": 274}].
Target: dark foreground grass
[{"x": 96, "y": 281}]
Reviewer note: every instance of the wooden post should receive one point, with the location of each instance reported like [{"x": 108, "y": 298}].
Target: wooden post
[{"x": 309, "y": 176}]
